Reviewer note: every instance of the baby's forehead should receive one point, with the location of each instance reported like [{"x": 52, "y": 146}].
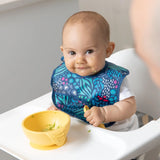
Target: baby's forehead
[
  {"x": 87, "y": 24},
  {"x": 89, "y": 18}
]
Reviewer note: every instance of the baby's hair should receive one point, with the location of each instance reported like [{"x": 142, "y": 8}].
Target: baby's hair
[{"x": 90, "y": 16}]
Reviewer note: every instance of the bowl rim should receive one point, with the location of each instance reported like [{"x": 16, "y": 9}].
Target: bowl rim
[{"x": 40, "y": 132}]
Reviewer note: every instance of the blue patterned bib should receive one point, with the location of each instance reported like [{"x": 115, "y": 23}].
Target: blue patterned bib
[{"x": 71, "y": 91}]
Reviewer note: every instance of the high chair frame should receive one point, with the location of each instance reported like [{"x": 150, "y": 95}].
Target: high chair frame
[{"x": 147, "y": 99}]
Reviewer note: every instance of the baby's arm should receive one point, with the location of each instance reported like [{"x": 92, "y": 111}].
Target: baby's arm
[{"x": 119, "y": 111}]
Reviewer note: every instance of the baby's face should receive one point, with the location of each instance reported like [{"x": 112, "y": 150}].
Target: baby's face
[{"x": 84, "y": 49}]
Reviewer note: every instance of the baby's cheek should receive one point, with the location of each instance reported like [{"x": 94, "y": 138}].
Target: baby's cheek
[
  {"x": 96, "y": 69},
  {"x": 71, "y": 69},
  {"x": 69, "y": 66}
]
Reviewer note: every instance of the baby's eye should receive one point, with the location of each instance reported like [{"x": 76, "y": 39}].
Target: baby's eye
[
  {"x": 89, "y": 51},
  {"x": 72, "y": 52}
]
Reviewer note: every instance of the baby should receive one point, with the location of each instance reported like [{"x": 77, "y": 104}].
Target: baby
[{"x": 85, "y": 78}]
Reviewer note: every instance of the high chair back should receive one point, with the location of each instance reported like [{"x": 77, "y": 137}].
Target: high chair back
[
  {"x": 146, "y": 92},
  {"x": 148, "y": 101}
]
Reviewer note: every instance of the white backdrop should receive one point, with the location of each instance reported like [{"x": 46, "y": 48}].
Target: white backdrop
[{"x": 30, "y": 37}]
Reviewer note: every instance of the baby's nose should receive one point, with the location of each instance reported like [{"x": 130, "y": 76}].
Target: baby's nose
[{"x": 80, "y": 59}]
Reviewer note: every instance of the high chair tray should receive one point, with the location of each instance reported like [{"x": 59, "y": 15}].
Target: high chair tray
[{"x": 83, "y": 141}]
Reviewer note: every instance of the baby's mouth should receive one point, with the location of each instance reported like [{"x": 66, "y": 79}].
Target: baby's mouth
[{"x": 81, "y": 68}]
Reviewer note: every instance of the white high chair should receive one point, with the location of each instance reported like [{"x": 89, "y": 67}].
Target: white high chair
[{"x": 146, "y": 92}]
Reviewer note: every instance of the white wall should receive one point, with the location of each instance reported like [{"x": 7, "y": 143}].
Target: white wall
[
  {"x": 116, "y": 13},
  {"x": 30, "y": 37}
]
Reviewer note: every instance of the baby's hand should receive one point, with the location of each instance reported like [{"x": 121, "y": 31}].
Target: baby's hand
[
  {"x": 95, "y": 115},
  {"x": 53, "y": 107}
]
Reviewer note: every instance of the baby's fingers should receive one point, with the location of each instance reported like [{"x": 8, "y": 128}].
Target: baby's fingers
[
  {"x": 87, "y": 113},
  {"x": 89, "y": 118},
  {"x": 53, "y": 107},
  {"x": 92, "y": 121}
]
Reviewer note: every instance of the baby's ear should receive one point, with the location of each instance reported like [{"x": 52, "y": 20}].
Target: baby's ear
[
  {"x": 110, "y": 49},
  {"x": 61, "y": 47}
]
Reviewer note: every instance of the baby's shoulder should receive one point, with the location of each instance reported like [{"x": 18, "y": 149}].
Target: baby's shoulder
[{"x": 117, "y": 68}]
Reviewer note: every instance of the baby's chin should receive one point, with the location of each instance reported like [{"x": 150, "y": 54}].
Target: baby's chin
[{"x": 83, "y": 74}]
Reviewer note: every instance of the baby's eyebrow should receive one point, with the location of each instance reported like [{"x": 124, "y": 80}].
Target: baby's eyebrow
[{"x": 90, "y": 47}]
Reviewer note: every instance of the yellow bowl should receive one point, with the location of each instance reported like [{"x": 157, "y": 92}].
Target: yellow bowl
[{"x": 47, "y": 129}]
